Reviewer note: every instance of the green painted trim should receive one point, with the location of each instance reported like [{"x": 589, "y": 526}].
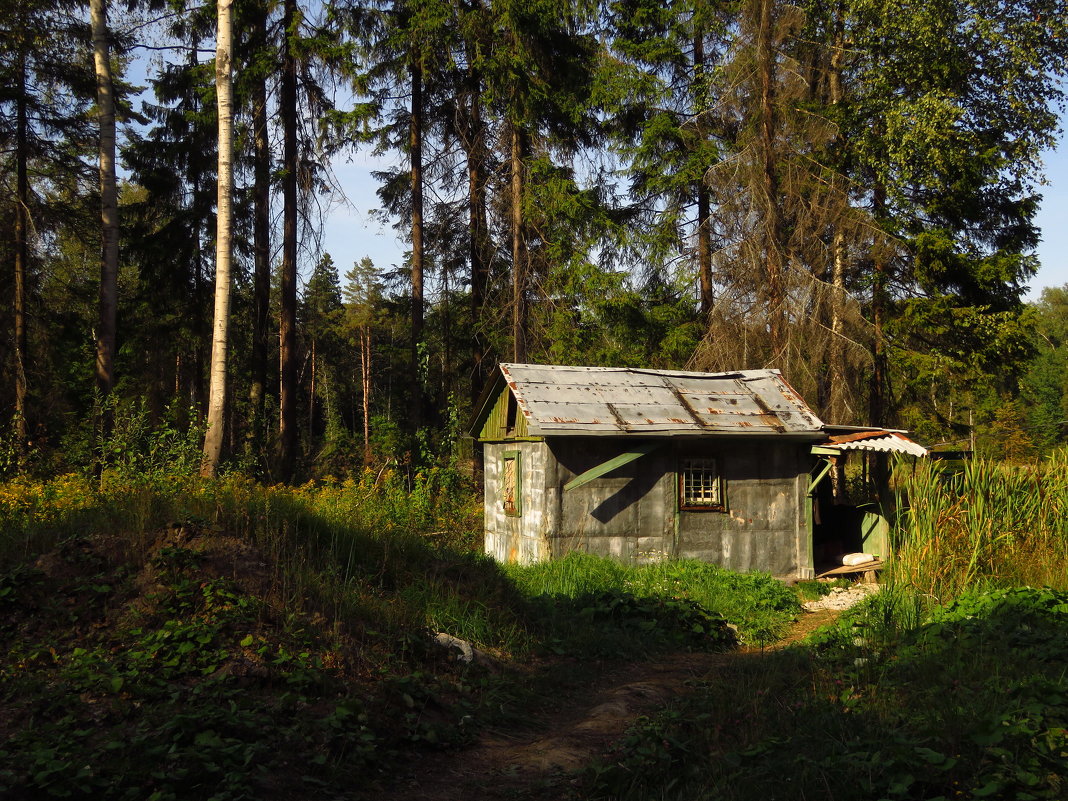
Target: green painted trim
[
  {"x": 815, "y": 482},
  {"x": 511, "y": 439},
  {"x": 806, "y": 559},
  {"x": 607, "y": 467},
  {"x": 492, "y": 420},
  {"x": 821, "y": 450},
  {"x": 518, "y": 457}
]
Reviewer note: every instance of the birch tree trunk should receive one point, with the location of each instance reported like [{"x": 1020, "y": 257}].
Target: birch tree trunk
[
  {"x": 213, "y": 439},
  {"x": 109, "y": 207}
]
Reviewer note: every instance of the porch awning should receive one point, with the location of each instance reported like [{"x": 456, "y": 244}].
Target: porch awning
[{"x": 880, "y": 440}]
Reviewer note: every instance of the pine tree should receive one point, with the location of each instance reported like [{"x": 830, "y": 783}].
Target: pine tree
[
  {"x": 46, "y": 90},
  {"x": 109, "y": 262}
]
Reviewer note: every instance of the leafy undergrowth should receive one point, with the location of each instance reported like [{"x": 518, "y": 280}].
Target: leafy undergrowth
[
  {"x": 286, "y": 652},
  {"x": 971, "y": 703},
  {"x": 174, "y": 677}
]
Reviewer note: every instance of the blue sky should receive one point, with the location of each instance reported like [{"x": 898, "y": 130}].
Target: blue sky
[
  {"x": 1053, "y": 220},
  {"x": 351, "y": 233}
]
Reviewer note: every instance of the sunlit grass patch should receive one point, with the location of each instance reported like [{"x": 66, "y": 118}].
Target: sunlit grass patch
[{"x": 757, "y": 604}]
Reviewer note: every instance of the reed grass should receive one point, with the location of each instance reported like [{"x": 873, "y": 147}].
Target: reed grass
[{"x": 990, "y": 525}]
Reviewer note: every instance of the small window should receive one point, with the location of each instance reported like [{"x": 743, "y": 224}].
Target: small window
[
  {"x": 700, "y": 486},
  {"x": 511, "y": 484}
]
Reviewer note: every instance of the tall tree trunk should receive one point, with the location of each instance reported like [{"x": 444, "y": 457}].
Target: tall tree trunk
[
  {"x": 287, "y": 429},
  {"x": 261, "y": 245},
  {"x": 839, "y": 378},
  {"x": 704, "y": 251},
  {"x": 197, "y": 394},
  {"x": 214, "y": 437},
  {"x": 22, "y": 213},
  {"x": 838, "y": 400},
  {"x": 877, "y": 398},
  {"x": 773, "y": 250},
  {"x": 311, "y": 399},
  {"x": 704, "y": 232},
  {"x": 109, "y": 210},
  {"x": 519, "y": 256},
  {"x": 365, "y": 385},
  {"x": 446, "y": 334},
  {"x": 877, "y": 394},
  {"x": 477, "y": 225},
  {"x": 415, "y": 141}
]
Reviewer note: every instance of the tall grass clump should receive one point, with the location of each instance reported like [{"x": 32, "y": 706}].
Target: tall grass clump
[{"x": 991, "y": 525}]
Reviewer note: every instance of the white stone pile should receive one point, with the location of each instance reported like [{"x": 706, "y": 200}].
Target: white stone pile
[{"x": 842, "y": 597}]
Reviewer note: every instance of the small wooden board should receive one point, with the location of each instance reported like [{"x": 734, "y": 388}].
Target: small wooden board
[{"x": 869, "y": 569}]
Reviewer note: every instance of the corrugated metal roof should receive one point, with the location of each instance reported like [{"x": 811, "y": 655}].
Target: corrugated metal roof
[
  {"x": 561, "y": 400},
  {"x": 883, "y": 441}
]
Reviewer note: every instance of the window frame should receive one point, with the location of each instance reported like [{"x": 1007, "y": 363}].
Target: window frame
[
  {"x": 517, "y": 493},
  {"x": 686, "y": 464}
]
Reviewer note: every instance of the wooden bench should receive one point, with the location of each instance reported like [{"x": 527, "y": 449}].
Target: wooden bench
[{"x": 867, "y": 571}]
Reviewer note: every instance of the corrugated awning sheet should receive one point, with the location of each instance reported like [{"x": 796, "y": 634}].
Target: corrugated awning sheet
[
  {"x": 882, "y": 441},
  {"x": 562, "y": 400}
]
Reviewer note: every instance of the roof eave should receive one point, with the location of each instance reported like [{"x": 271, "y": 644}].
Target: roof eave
[{"x": 612, "y": 431}]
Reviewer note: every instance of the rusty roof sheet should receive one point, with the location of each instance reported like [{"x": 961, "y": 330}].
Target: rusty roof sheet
[{"x": 562, "y": 400}]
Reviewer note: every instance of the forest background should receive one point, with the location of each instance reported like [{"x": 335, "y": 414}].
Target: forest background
[{"x": 845, "y": 191}]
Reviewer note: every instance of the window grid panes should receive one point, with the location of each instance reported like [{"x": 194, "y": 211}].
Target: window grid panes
[{"x": 700, "y": 483}]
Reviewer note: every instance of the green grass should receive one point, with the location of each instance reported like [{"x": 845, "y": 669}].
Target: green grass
[
  {"x": 950, "y": 683},
  {"x": 208, "y": 625},
  {"x": 757, "y": 604},
  {"x": 167, "y": 640},
  {"x": 973, "y": 703}
]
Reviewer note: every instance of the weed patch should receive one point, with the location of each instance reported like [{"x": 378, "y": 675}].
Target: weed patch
[
  {"x": 224, "y": 640},
  {"x": 991, "y": 525},
  {"x": 971, "y": 703}
]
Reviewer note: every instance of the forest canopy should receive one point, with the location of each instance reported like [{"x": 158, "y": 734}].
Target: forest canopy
[{"x": 844, "y": 190}]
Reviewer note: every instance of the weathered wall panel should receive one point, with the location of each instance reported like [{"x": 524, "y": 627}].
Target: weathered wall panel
[
  {"x": 496, "y": 425},
  {"x": 764, "y": 515},
  {"x": 632, "y": 513},
  {"x": 627, "y": 514},
  {"x": 517, "y": 538}
]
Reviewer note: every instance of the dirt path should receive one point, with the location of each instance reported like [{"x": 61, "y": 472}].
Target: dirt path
[{"x": 573, "y": 730}]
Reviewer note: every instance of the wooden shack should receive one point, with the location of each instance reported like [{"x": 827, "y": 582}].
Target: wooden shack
[{"x": 644, "y": 465}]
